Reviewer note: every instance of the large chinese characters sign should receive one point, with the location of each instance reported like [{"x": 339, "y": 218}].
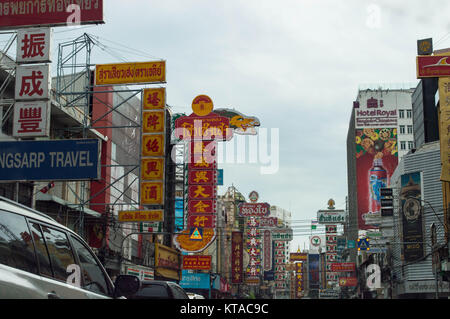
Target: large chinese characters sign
[
  {"x": 32, "y": 87},
  {"x": 200, "y": 131}
]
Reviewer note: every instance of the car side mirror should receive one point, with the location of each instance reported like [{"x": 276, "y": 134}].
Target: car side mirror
[{"x": 126, "y": 285}]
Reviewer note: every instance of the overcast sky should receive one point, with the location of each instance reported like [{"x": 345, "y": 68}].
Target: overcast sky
[{"x": 296, "y": 65}]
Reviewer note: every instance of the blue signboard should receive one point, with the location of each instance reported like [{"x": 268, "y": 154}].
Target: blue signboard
[
  {"x": 220, "y": 177},
  {"x": 50, "y": 160},
  {"x": 194, "y": 280}
]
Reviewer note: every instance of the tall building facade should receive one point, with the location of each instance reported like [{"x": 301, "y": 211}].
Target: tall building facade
[{"x": 380, "y": 133}]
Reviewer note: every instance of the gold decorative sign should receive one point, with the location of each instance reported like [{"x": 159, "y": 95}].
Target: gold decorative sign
[{"x": 141, "y": 216}]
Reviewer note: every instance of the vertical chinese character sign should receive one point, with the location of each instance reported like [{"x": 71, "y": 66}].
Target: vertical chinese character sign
[
  {"x": 237, "y": 259},
  {"x": 32, "y": 108},
  {"x": 200, "y": 131},
  {"x": 253, "y": 270},
  {"x": 153, "y": 146}
]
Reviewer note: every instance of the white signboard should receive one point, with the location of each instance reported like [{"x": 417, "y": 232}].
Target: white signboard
[
  {"x": 376, "y": 110},
  {"x": 282, "y": 234},
  {"x": 32, "y": 119},
  {"x": 331, "y": 216},
  {"x": 33, "y": 45},
  {"x": 32, "y": 82}
]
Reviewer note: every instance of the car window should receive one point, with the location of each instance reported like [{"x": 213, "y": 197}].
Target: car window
[
  {"x": 178, "y": 292},
  {"x": 93, "y": 276},
  {"x": 43, "y": 258},
  {"x": 16, "y": 244},
  {"x": 152, "y": 291},
  {"x": 60, "y": 252}
]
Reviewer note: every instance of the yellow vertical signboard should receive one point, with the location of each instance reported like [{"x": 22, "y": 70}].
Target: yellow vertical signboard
[
  {"x": 444, "y": 137},
  {"x": 444, "y": 126},
  {"x": 153, "y": 146}
]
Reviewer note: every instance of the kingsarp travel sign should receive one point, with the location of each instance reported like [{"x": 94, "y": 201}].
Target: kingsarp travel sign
[{"x": 50, "y": 160}]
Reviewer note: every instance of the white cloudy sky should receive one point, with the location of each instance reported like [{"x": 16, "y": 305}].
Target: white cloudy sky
[{"x": 294, "y": 64}]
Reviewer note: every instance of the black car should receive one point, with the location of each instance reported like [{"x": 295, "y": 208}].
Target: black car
[{"x": 157, "y": 289}]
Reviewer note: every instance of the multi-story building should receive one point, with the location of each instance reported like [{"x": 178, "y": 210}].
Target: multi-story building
[{"x": 380, "y": 133}]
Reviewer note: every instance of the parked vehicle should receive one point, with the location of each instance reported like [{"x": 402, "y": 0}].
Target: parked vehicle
[
  {"x": 40, "y": 258},
  {"x": 195, "y": 296},
  {"x": 157, "y": 289}
]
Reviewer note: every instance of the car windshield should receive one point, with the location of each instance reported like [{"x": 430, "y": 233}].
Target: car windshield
[{"x": 151, "y": 291}]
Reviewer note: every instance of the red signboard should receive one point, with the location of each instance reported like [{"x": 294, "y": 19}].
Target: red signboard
[
  {"x": 196, "y": 262},
  {"x": 202, "y": 192},
  {"x": 342, "y": 267},
  {"x": 268, "y": 221},
  {"x": 201, "y": 165},
  {"x": 348, "y": 282},
  {"x": 209, "y": 127},
  {"x": 201, "y": 206},
  {"x": 24, "y": 13},
  {"x": 433, "y": 66},
  {"x": 202, "y": 221},
  {"x": 254, "y": 209},
  {"x": 237, "y": 260},
  {"x": 202, "y": 177}
]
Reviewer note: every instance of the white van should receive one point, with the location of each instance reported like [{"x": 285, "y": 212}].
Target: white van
[{"x": 40, "y": 258}]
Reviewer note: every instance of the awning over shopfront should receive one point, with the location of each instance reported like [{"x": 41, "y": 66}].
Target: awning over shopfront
[{"x": 51, "y": 198}]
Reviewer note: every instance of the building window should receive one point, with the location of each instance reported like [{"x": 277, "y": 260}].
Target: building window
[
  {"x": 401, "y": 114},
  {"x": 409, "y": 114},
  {"x": 403, "y": 145},
  {"x": 410, "y": 145},
  {"x": 410, "y": 128},
  {"x": 402, "y": 129}
]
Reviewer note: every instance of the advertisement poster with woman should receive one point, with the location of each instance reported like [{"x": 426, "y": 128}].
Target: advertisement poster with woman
[{"x": 376, "y": 160}]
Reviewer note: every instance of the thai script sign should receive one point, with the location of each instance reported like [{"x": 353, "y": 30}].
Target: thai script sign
[
  {"x": 298, "y": 257},
  {"x": 254, "y": 209},
  {"x": 331, "y": 216},
  {"x": 268, "y": 221},
  {"x": 130, "y": 73},
  {"x": 209, "y": 127},
  {"x": 23, "y": 13},
  {"x": 430, "y": 66},
  {"x": 282, "y": 234},
  {"x": 141, "y": 216},
  {"x": 197, "y": 262},
  {"x": 50, "y": 160},
  {"x": 338, "y": 267}
]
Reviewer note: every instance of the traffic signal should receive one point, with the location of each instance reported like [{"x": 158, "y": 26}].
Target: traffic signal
[{"x": 387, "y": 202}]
